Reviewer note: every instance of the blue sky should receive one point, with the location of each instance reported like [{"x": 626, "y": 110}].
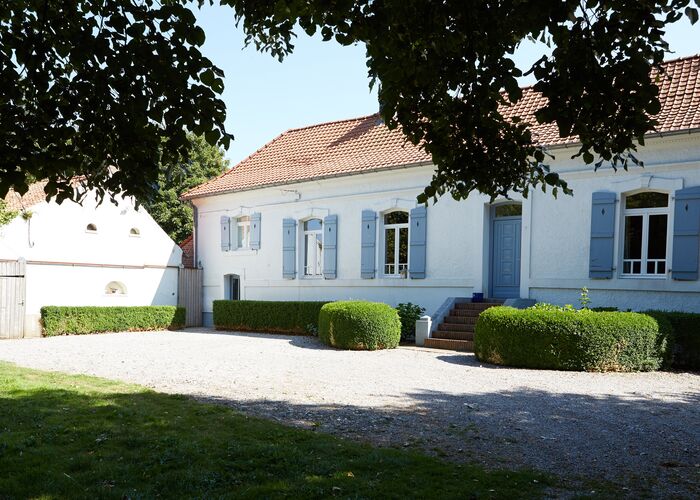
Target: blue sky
[{"x": 320, "y": 81}]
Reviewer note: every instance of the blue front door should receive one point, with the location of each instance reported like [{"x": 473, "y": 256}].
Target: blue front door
[{"x": 505, "y": 258}]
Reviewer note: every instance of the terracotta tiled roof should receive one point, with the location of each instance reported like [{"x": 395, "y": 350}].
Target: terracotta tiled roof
[
  {"x": 34, "y": 195},
  {"x": 187, "y": 246},
  {"x": 330, "y": 149},
  {"x": 364, "y": 144},
  {"x": 679, "y": 93}
]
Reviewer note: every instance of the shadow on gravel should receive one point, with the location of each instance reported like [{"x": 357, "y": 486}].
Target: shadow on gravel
[{"x": 642, "y": 445}]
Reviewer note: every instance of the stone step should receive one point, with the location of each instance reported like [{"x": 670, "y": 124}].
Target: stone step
[
  {"x": 466, "y": 313},
  {"x": 451, "y": 344},
  {"x": 453, "y": 335},
  {"x": 469, "y": 320},
  {"x": 457, "y": 327},
  {"x": 477, "y": 305}
]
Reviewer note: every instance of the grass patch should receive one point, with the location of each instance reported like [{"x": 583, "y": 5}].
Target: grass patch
[{"x": 83, "y": 437}]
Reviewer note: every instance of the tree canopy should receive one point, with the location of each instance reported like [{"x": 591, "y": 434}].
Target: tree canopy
[
  {"x": 203, "y": 162},
  {"x": 89, "y": 84}
]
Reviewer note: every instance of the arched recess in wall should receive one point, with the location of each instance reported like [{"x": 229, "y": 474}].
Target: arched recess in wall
[
  {"x": 134, "y": 231},
  {"x": 115, "y": 288},
  {"x": 91, "y": 228}
]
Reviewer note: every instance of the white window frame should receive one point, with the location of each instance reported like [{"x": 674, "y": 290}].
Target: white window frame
[
  {"x": 243, "y": 221},
  {"x": 644, "y": 260},
  {"x": 400, "y": 270},
  {"x": 307, "y": 234}
]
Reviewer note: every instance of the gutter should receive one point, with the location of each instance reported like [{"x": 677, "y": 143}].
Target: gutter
[{"x": 89, "y": 264}]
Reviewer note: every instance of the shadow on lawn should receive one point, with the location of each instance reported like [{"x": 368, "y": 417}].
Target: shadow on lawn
[
  {"x": 645, "y": 445},
  {"x": 90, "y": 438}
]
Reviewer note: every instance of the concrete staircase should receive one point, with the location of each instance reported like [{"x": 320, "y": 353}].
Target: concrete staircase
[{"x": 456, "y": 332}]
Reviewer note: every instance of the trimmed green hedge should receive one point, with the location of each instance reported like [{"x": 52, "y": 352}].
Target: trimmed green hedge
[
  {"x": 569, "y": 340},
  {"x": 60, "y": 320},
  {"x": 267, "y": 316},
  {"x": 359, "y": 325},
  {"x": 684, "y": 336}
]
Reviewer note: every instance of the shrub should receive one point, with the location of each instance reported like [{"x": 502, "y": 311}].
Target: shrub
[
  {"x": 59, "y": 320},
  {"x": 267, "y": 316},
  {"x": 569, "y": 339},
  {"x": 683, "y": 333},
  {"x": 359, "y": 325},
  {"x": 408, "y": 315}
]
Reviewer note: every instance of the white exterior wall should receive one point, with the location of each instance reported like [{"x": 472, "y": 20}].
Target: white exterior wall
[
  {"x": 67, "y": 265},
  {"x": 454, "y": 250},
  {"x": 558, "y": 266},
  {"x": 554, "y": 246}
]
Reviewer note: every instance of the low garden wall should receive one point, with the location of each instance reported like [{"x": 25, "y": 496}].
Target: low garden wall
[{"x": 64, "y": 320}]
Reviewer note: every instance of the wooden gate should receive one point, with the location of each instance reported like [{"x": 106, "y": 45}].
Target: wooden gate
[
  {"x": 189, "y": 295},
  {"x": 12, "y": 291}
]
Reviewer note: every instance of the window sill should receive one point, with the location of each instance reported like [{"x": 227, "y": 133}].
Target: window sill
[
  {"x": 643, "y": 276},
  {"x": 241, "y": 251}
]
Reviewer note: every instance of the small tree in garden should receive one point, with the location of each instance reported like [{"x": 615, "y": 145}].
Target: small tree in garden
[
  {"x": 408, "y": 314},
  {"x": 6, "y": 215}
]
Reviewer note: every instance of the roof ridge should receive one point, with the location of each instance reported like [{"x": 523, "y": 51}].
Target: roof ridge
[{"x": 332, "y": 122}]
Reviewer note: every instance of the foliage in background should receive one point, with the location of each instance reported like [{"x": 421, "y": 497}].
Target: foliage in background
[
  {"x": 446, "y": 73},
  {"x": 93, "y": 84},
  {"x": 87, "y": 85},
  {"x": 409, "y": 313},
  {"x": 267, "y": 316},
  {"x": 67, "y": 436},
  {"x": 359, "y": 325},
  {"x": 570, "y": 339},
  {"x": 202, "y": 163},
  {"x": 62, "y": 320},
  {"x": 6, "y": 215}
]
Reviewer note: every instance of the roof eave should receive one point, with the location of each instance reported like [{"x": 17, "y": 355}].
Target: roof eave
[{"x": 310, "y": 179}]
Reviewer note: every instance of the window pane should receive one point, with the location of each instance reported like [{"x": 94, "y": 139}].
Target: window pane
[
  {"x": 661, "y": 267},
  {"x": 319, "y": 253},
  {"x": 396, "y": 218},
  {"x": 657, "y": 236},
  {"x": 633, "y": 237},
  {"x": 626, "y": 267},
  {"x": 637, "y": 267},
  {"x": 312, "y": 225},
  {"x": 308, "y": 251},
  {"x": 389, "y": 245},
  {"x": 403, "y": 245},
  {"x": 509, "y": 210},
  {"x": 647, "y": 200},
  {"x": 241, "y": 236}
]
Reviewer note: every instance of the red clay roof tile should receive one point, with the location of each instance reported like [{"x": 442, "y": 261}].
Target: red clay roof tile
[{"x": 364, "y": 144}]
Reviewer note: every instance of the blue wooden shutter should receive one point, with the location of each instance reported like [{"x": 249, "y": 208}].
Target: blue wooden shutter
[
  {"x": 602, "y": 249},
  {"x": 686, "y": 234},
  {"x": 289, "y": 248},
  {"x": 330, "y": 247},
  {"x": 255, "y": 231},
  {"x": 369, "y": 241},
  {"x": 225, "y": 233},
  {"x": 418, "y": 238}
]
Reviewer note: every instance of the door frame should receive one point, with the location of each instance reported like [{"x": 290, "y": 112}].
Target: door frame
[{"x": 491, "y": 247}]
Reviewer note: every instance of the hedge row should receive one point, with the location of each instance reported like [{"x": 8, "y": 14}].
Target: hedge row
[
  {"x": 60, "y": 320},
  {"x": 359, "y": 325},
  {"x": 267, "y": 316},
  {"x": 570, "y": 340},
  {"x": 683, "y": 330}
]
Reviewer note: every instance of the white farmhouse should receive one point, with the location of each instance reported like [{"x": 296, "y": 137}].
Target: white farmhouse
[
  {"x": 80, "y": 255},
  {"x": 329, "y": 212}
]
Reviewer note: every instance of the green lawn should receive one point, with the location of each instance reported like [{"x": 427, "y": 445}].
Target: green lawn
[{"x": 75, "y": 436}]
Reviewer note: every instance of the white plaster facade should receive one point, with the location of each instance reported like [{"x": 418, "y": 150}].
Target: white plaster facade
[
  {"x": 555, "y": 236},
  {"x": 69, "y": 265}
]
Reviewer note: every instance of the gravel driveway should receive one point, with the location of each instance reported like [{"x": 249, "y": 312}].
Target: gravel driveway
[{"x": 641, "y": 431}]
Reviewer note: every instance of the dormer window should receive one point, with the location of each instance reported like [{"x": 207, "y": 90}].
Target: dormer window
[
  {"x": 91, "y": 228},
  {"x": 134, "y": 231}
]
